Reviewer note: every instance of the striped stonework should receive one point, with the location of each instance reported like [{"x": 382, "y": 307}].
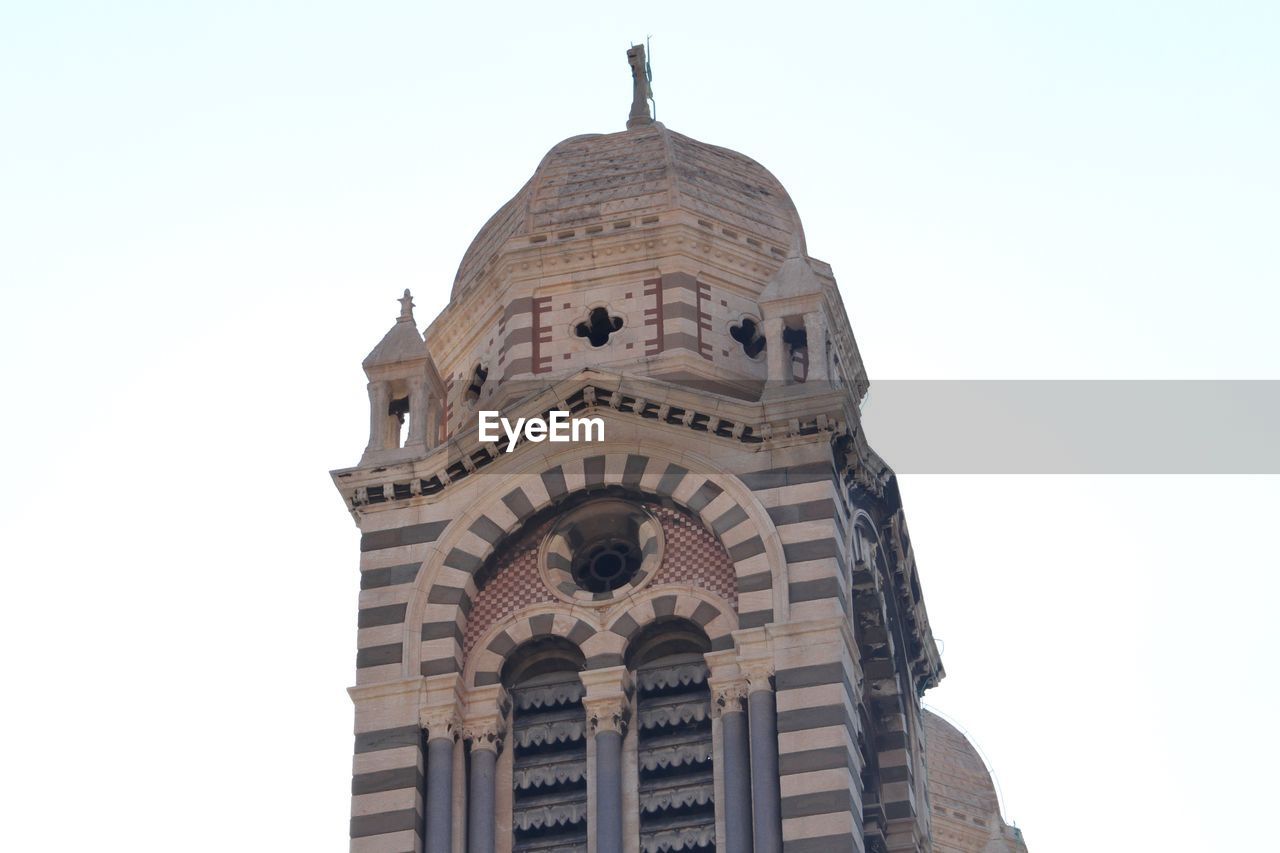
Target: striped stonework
[
  {"x": 386, "y": 785},
  {"x": 803, "y": 502},
  {"x": 447, "y": 588},
  {"x": 692, "y": 556},
  {"x": 704, "y": 630},
  {"x": 445, "y": 422},
  {"x": 818, "y": 679},
  {"x": 387, "y": 808},
  {"x": 523, "y": 331},
  {"x": 476, "y": 583},
  {"x": 817, "y": 682},
  {"x": 678, "y": 314},
  {"x": 390, "y": 561},
  {"x": 601, "y": 637}
]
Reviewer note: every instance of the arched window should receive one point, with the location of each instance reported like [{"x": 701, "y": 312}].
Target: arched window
[
  {"x": 673, "y": 737},
  {"x": 548, "y": 743}
]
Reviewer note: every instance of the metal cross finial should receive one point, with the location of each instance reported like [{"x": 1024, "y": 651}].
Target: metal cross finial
[
  {"x": 640, "y": 92},
  {"x": 406, "y": 306}
]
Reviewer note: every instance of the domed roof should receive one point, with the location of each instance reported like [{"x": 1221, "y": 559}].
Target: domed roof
[
  {"x": 966, "y": 810},
  {"x": 956, "y": 769},
  {"x": 635, "y": 174}
]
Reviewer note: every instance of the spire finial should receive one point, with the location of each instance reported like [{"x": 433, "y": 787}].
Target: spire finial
[
  {"x": 406, "y": 307},
  {"x": 640, "y": 91}
]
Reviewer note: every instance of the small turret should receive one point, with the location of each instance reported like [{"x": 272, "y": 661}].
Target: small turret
[
  {"x": 794, "y": 313},
  {"x": 403, "y": 386}
]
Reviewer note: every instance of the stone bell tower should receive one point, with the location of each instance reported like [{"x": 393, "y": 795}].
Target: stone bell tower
[{"x": 703, "y": 632}]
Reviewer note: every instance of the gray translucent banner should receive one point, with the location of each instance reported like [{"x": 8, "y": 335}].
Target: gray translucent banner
[{"x": 1075, "y": 427}]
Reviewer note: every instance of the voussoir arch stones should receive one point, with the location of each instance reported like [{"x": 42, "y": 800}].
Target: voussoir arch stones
[
  {"x": 445, "y": 585},
  {"x": 601, "y": 636}
]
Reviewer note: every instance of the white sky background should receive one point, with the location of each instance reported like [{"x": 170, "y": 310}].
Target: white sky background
[{"x": 205, "y": 218}]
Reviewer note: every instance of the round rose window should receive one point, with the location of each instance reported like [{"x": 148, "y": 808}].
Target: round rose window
[{"x": 602, "y": 549}]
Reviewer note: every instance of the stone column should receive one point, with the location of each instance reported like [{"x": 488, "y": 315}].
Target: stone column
[
  {"x": 727, "y": 706},
  {"x": 379, "y": 404},
  {"x": 418, "y": 421},
  {"x": 435, "y": 421},
  {"x": 776, "y": 356},
  {"x": 815, "y": 332},
  {"x": 607, "y": 704},
  {"x": 442, "y": 728},
  {"x": 485, "y": 737},
  {"x": 766, "y": 790}
]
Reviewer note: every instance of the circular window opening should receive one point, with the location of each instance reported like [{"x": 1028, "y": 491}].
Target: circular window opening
[
  {"x": 603, "y": 548},
  {"x": 607, "y": 564}
]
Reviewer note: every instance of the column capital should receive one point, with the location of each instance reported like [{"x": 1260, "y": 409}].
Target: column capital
[
  {"x": 727, "y": 696},
  {"x": 607, "y": 714},
  {"x": 608, "y": 699},
  {"x": 485, "y": 721},
  {"x": 485, "y": 732},
  {"x": 441, "y": 721}
]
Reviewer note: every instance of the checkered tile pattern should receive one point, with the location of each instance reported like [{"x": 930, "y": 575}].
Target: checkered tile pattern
[
  {"x": 515, "y": 586},
  {"x": 693, "y": 556}
]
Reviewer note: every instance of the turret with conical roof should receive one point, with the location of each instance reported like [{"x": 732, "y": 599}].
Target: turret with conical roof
[{"x": 405, "y": 392}]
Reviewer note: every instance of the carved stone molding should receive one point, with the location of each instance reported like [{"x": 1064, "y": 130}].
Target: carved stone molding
[{"x": 741, "y": 428}]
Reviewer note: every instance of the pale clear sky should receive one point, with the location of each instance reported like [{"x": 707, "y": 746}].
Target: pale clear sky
[{"x": 207, "y": 212}]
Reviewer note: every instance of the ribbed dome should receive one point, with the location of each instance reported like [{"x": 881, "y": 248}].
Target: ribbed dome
[{"x": 639, "y": 173}]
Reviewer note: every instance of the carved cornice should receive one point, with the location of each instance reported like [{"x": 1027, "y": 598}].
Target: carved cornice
[
  {"x": 860, "y": 467},
  {"x": 926, "y": 662},
  {"x": 655, "y": 402}
]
